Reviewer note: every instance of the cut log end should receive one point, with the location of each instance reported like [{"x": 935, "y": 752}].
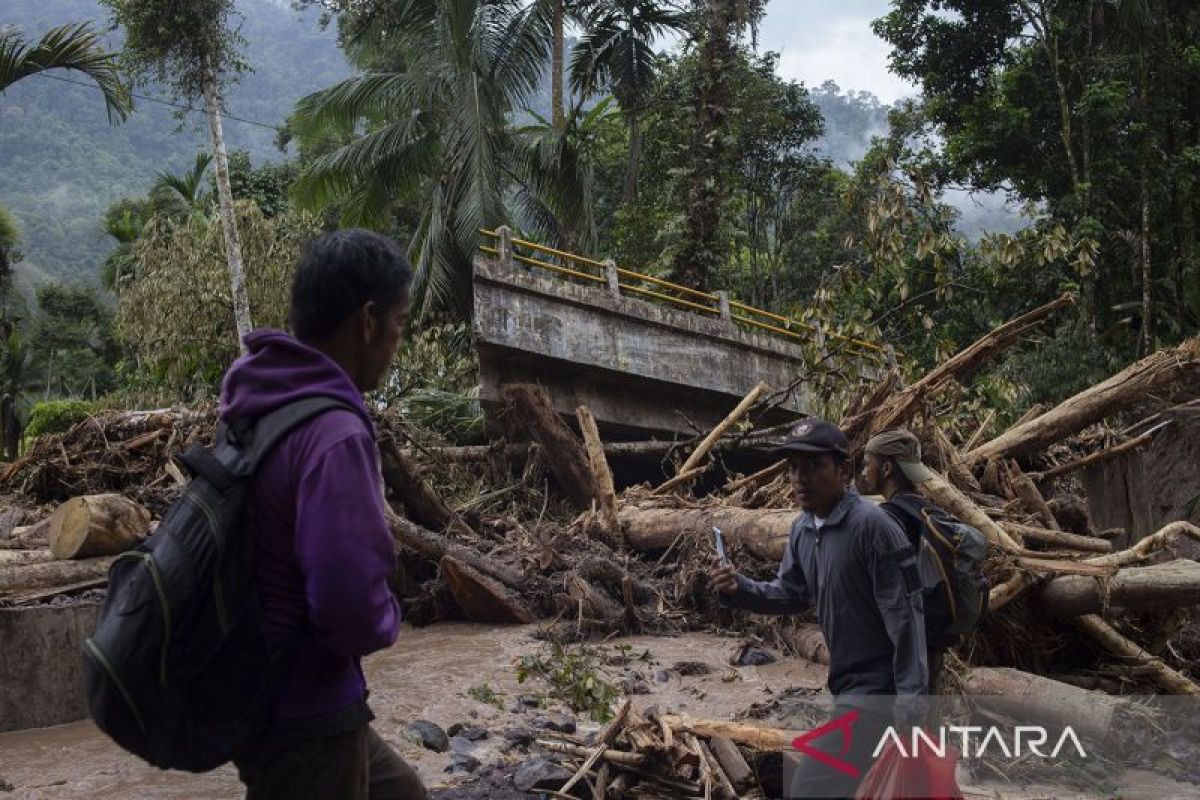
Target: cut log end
[{"x": 96, "y": 525}]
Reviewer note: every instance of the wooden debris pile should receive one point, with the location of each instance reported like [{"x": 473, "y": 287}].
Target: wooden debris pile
[
  {"x": 541, "y": 532},
  {"x": 653, "y": 754},
  {"x": 128, "y": 453}
]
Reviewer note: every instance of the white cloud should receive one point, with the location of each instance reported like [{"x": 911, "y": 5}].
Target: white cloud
[{"x": 818, "y": 41}]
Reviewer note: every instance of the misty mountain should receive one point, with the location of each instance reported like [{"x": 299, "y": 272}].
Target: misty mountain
[{"x": 62, "y": 164}]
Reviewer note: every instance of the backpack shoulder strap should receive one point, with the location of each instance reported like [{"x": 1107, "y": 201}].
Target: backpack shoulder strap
[
  {"x": 270, "y": 428},
  {"x": 908, "y": 505}
]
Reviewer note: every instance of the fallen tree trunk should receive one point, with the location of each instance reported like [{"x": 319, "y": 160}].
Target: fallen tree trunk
[
  {"x": 763, "y": 532},
  {"x": 54, "y": 573},
  {"x": 1108, "y": 636},
  {"x": 1060, "y": 538},
  {"x": 1003, "y": 593},
  {"x": 730, "y": 420},
  {"x": 422, "y": 504},
  {"x": 483, "y": 599},
  {"x": 1030, "y": 497},
  {"x": 1098, "y": 457},
  {"x": 1175, "y": 583},
  {"x": 434, "y": 547},
  {"x": 1128, "y": 387},
  {"x": 901, "y": 406},
  {"x": 565, "y": 454},
  {"x": 1035, "y": 699},
  {"x": 21, "y": 558},
  {"x": 602, "y": 479},
  {"x": 96, "y": 525},
  {"x": 1149, "y": 545},
  {"x": 939, "y": 492},
  {"x": 956, "y": 470},
  {"x": 655, "y": 448},
  {"x": 741, "y": 777}
]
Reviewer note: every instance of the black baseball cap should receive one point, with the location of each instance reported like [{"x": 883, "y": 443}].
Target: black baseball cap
[{"x": 814, "y": 436}]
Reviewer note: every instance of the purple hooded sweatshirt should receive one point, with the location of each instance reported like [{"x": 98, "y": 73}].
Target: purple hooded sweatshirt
[{"x": 324, "y": 551}]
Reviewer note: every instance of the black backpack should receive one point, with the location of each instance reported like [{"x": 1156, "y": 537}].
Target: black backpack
[
  {"x": 179, "y": 670},
  {"x": 950, "y": 560}
]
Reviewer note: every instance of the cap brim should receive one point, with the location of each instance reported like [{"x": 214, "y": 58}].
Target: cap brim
[
  {"x": 803, "y": 448},
  {"x": 915, "y": 471}
]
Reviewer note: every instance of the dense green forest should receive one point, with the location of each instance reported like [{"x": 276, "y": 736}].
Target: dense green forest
[
  {"x": 1053, "y": 147},
  {"x": 62, "y": 164}
]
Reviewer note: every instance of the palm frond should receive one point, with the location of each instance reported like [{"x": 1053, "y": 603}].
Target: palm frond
[{"x": 72, "y": 47}]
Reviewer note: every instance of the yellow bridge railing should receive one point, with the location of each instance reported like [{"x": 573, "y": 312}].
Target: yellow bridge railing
[{"x": 620, "y": 280}]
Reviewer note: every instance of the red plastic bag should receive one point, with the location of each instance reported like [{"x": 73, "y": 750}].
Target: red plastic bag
[{"x": 924, "y": 776}]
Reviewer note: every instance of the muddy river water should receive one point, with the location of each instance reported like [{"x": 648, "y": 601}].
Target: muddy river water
[{"x": 427, "y": 675}]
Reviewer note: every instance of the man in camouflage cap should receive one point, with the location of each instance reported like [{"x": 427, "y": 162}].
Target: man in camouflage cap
[{"x": 892, "y": 467}]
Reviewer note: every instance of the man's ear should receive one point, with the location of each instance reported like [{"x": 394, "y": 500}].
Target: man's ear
[{"x": 368, "y": 322}]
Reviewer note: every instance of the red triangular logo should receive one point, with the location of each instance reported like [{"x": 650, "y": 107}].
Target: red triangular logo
[{"x": 845, "y": 724}]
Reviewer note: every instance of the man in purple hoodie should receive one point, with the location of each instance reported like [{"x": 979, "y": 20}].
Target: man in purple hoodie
[{"x": 324, "y": 551}]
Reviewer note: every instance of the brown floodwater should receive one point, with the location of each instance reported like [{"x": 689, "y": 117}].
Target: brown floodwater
[{"x": 427, "y": 675}]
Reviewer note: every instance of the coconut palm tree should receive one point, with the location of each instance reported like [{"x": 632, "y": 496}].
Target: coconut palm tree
[
  {"x": 73, "y": 47},
  {"x": 555, "y": 178},
  {"x": 436, "y": 130},
  {"x": 617, "y": 55},
  {"x": 180, "y": 196}
]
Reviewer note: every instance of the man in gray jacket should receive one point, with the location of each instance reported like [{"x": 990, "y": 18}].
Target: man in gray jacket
[{"x": 852, "y": 562}]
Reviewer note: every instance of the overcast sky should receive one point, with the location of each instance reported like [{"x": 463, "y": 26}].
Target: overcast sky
[{"x": 821, "y": 40}]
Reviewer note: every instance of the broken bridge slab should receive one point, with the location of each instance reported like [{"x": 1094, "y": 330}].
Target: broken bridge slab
[{"x": 642, "y": 368}]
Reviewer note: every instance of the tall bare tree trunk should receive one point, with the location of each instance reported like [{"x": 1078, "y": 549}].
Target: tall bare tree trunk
[
  {"x": 1146, "y": 339},
  {"x": 233, "y": 245},
  {"x": 633, "y": 168},
  {"x": 559, "y": 117},
  {"x": 701, "y": 253}
]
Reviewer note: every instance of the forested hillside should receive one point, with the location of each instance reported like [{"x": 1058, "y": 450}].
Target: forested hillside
[{"x": 62, "y": 164}]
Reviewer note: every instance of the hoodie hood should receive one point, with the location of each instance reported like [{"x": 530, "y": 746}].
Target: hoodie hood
[{"x": 278, "y": 369}]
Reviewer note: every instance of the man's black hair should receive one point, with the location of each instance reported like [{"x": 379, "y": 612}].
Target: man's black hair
[{"x": 341, "y": 271}]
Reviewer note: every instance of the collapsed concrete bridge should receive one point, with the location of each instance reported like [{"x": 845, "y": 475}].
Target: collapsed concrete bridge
[{"x": 648, "y": 357}]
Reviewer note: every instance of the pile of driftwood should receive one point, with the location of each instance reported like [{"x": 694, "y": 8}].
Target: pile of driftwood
[
  {"x": 653, "y": 754},
  {"x": 540, "y": 531}
]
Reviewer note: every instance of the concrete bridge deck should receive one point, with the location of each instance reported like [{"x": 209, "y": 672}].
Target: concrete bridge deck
[{"x": 643, "y": 368}]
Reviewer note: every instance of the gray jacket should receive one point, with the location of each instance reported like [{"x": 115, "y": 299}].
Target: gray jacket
[{"x": 859, "y": 572}]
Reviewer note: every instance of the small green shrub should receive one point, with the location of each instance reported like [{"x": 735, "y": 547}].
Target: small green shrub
[
  {"x": 57, "y": 416},
  {"x": 575, "y": 678}
]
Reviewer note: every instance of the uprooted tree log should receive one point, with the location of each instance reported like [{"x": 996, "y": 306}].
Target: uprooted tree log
[
  {"x": 1111, "y": 639},
  {"x": 1174, "y": 583},
  {"x": 565, "y": 454},
  {"x": 434, "y": 547},
  {"x": 942, "y": 494},
  {"x": 53, "y": 573},
  {"x": 22, "y": 558},
  {"x": 1164, "y": 537},
  {"x": 1098, "y": 457},
  {"x": 702, "y": 449},
  {"x": 763, "y": 532},
  {"x": 1030, "y": 497},
  {"x": 481, "y": 598},
  {"x": 96, "y": 525},
  {"x": 1071, "y": 541},
  {"x": 1024, "y": 696},
  {"x": 1154, "y": 373},
  {"x": 902, "y": 405},
  {"x": 602, "y": 479},
  {"x": 422, "y": 504}
]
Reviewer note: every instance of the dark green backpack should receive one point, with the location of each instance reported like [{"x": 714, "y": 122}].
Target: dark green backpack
[{"x": 952, "y": 552}]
